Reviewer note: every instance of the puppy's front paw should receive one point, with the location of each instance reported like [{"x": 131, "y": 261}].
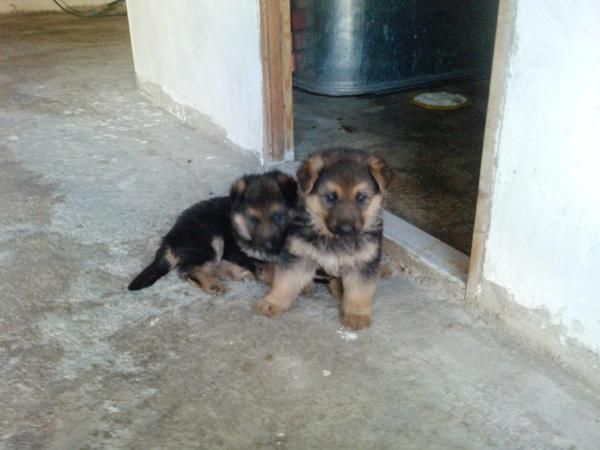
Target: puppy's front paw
[
  {"x": 246, "y": 275},
  {"x": 268, "y": 309},
  {"x": 356, "y": 322},
  {"x": 214, "y": 287}
]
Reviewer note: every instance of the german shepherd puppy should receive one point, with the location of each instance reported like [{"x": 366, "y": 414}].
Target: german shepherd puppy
[
  {"x": 339, "y": 229},
  {"x": 230, "y": 236}
]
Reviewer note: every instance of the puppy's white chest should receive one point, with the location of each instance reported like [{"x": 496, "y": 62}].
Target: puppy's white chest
[
  {"x": 329, "y": 263},
  {"x": 335, "y": 263}
]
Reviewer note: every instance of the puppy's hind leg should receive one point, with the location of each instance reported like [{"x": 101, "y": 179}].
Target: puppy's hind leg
[
  {"x": 337, "y": 289},
  {"x": 204, "y": 278},
  {"x": 232, "y": 271},
  {"x": 200, "y": 266},
  {"x": 266, "y": 273}
]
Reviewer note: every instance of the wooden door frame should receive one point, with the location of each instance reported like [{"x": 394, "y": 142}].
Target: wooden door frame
[
  {"x": 276, "y": 54},
  {"x": 505, "y": 33},
  {"x": 276, "y": 51}
]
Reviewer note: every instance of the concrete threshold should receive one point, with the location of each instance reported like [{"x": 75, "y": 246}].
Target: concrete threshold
[{"x": 424, "y": 256}]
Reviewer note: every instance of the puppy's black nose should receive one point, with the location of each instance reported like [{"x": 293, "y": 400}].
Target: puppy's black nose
[
  {"x": 272, "y": 246},
  {"x": 345, "y": 228}
]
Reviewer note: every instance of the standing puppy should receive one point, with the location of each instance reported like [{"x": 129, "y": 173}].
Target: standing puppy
[{"x": 339, "y": 230}]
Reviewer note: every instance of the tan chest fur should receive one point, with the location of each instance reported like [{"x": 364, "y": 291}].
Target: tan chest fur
[{"x": 334, "y": 263}]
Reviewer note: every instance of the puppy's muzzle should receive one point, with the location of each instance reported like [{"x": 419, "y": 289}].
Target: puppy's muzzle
[
  {"x": 270, "y": 245},
  {"x": 271, "y": 242},
  {"x": 345, "y": 229}
]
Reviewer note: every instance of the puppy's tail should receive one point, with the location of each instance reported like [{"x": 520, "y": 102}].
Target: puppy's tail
[{"x": 157, "y": 269}]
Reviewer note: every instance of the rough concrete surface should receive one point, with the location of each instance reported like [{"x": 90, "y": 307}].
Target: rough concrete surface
[{"x": 90, "y": 174}]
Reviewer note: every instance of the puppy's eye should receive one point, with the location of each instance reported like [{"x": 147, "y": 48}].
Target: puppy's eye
[
  {"x": 361, "y": 198},
  {"x": 278, "y": 217},
  {"x": 330, "y": 198},
  {"x": 253, "y": 220}
]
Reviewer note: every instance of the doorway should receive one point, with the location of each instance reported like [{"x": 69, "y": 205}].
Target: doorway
[
  {"x": 436, "y": 155},
  {"x": 435, "y": 161}
]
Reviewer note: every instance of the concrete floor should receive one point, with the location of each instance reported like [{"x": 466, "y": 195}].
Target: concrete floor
[
  {"x": 90, "y": 174},
  {"x": 435, "y": 154}
]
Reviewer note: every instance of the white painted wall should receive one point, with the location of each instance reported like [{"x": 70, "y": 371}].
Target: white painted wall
[
  {"x": 544, "y": 238},
  {"x": 204, "y": 54},
  {"x": 10, "y": 6}
]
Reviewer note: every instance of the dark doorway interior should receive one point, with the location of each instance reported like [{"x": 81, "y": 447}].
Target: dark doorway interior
[{"x": 435, "y": 154}]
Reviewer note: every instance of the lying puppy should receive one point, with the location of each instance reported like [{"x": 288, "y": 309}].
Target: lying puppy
[
  {"x": 339, "y": 230},
  {"x": 227, "y": 236}
]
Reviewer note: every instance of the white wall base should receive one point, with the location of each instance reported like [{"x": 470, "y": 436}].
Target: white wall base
[{"x": 186, "y": 114}]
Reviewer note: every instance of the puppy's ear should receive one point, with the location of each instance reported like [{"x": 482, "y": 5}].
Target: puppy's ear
[
  {"x": 308, "y": 173},
  {"x": 289, "y": 188},
  {"x": 380, "y": 171},
  {"x": 237, "y": 190}
]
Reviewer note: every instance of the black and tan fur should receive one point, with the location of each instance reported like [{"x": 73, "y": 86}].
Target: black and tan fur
[
  {"x": 227, "y": 237},
  {"x": 339, "y": 230}
]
